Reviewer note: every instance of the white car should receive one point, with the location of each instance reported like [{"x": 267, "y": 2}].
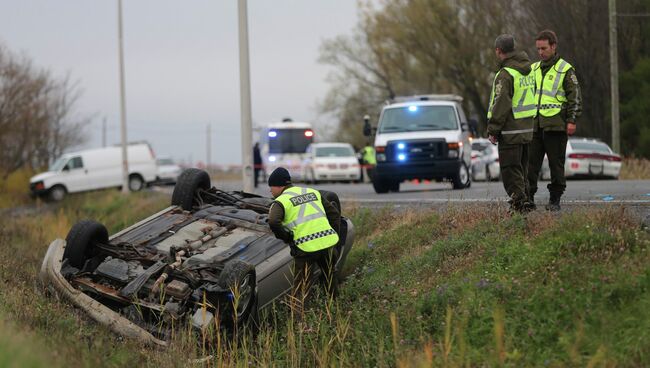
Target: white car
[
  {"x": 485, "y": 160},
  {"x": 330, "y": 162},
  {"x": 168, "y": 171},
  {"x": 587, "y": 158}
]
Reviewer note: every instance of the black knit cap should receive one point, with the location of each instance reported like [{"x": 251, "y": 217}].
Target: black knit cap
[{"x": 279, "y": 178}]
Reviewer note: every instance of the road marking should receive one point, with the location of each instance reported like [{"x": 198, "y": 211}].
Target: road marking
[{"x": 487, "y": 200}]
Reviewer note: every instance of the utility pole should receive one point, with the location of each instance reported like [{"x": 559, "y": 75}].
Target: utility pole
[
  {"x": 104, "y": 132},
  {"x": 613, "y": 71},
  {"x": 208, "y": 148},
  {"x": 245, "y": 96},
  {"x": 125, "y": 159}
]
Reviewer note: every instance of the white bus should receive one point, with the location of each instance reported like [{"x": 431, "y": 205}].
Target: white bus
[{"x": 283, "y": 144}]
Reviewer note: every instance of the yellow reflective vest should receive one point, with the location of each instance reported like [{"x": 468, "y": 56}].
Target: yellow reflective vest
[
  {"x": 550, "y": 94},
  {"x": 369, "y": 155},
  {"x": 304, "y": 214},
  {"x": 523, "y": 98}
]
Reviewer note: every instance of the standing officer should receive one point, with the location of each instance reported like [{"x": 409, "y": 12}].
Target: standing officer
[
  {"x": 558, "y": 106},
  {"x": 369, "y": 160},
  {"x": 258, "y": 166},
  {"x": 310, "y": 225},
  {"x": 510, "y": 118}
]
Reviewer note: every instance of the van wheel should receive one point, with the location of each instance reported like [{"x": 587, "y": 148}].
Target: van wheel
[
  {"x": 188, "y": 183},
  {"x": 461, "y": 180},
  {"x": 57, "y": 193},
  {"x": 82, "y": 240},
  {"x": 380, "y": 186},
  {"x": 135, "y": 183}
]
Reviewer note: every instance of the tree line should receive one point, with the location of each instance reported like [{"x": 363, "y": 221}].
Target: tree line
[
  {"x": 37, "y": 119},
  {"x": 408, "y": 47}
]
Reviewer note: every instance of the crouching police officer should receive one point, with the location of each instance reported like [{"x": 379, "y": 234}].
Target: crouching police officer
[{"x": 300, "y": 217}]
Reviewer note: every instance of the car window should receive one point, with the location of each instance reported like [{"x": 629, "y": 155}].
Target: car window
[
  {"x": 415, "y": 118},
  {"x": 590, "y": 146},
  {"x": 479, "y": 146},
  {"x": 75, "y": 163},
  {"x": 334, "y": 152}
]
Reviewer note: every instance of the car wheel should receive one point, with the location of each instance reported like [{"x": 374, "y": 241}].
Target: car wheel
[
  {"x": 332, "y": 198},
  {"x": 461, "y": 180},
  {"x": 57, "y": 193},
  {"x": 135, "y": 183},
  {"x": 189, "y": 182},
  {"x": 82, "y": 240},
  {"x": 239, "y": 278}
]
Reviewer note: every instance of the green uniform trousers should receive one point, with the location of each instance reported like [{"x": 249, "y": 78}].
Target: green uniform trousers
[
  {"x": 513, "y": 161},
  {"x": 553, "y": 144}
]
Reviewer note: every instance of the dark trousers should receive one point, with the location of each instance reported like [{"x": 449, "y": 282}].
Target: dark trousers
[
  {"x": 513, "y": 161},
  {"x": 257, "y": 173},
  {"x": 303, "y": 273},
  {"x": 553, "y": 144}
]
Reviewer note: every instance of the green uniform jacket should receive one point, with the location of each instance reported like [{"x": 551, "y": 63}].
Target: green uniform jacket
[
  {"x": 571, "y": 109},
  {"x": 502, "y": 109}
]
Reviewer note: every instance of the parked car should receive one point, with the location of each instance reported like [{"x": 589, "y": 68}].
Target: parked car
[
  {"x": 209, "y": 257},
  {"x": 95, "y": 169},
  {"x": 168, "y": 171},
  {"x": 485, "y": 160},
  {"x": 587, "y": 158},
  {"x": 331, "y": 162}
]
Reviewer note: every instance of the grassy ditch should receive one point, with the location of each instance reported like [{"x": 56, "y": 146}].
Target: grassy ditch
[{"x": 456, "y": 286}]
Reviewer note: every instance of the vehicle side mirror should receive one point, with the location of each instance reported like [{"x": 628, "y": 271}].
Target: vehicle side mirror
[
  {"x": 66, "y": 168},
  {"x": 367, "y": 129},
  {"x": 464, "y": 126}
]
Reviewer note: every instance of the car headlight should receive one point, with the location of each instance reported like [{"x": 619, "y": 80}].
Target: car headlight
[
  {"x": 380, "y": 157},
  {"x": 452, "y": 154}
]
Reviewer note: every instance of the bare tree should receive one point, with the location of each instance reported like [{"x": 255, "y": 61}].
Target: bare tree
[{"x": 36, "y": 121}]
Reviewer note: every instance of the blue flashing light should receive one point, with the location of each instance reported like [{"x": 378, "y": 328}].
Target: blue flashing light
[
  {"x": 413, "y": 108},
  {"x": 273, "y": 134},
  {"x": 401, "y": 146},
  {"x": 401, "y": 157},
  {"x": 272, "y": 158}
]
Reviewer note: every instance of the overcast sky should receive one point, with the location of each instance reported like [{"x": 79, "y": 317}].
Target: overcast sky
[{"x": 182, "y": 64}]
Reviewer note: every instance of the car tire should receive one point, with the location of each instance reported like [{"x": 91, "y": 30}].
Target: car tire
[
  {"x": 241, "y": 276},
  {"x": 381, "y": 186},
  {"x": 82, "y": 240},
  {"x": 57, "y": 193},
  {"x": 462, "y": 179},
  {"x": 189, "y": 182},
  {"x": 136, "y": 183},
  {"x": 332, "y": 198}
]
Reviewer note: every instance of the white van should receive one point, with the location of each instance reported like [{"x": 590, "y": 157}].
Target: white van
[
  {"x": 421, "y": 137},
  {"x": 95, "y": 169}
]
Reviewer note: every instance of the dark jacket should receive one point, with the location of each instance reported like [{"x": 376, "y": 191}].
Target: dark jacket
[
  {"x": 276, "y": 216},
  {"x": 257, "y": 157},
  {"x": 502, "y": 117},
  {"x": 571, "y": 109}
]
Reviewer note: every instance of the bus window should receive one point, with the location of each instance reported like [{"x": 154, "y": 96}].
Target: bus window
[{"x": 289, "y": 140}]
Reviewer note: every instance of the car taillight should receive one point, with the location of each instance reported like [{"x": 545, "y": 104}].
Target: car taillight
[
  {"x": 594, "y": 156},
  {"x": 309, "y": 133}
]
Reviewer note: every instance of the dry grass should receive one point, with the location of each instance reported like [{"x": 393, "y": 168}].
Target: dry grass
[{"x": 635, "y": 169}]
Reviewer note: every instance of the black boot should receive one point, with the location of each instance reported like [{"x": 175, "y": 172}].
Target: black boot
[
  {"x": 530, "y": 204},
  {"x": 554, "y": 202}
]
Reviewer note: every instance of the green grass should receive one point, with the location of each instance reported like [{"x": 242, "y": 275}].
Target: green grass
[{"x": 458, "y": 286}]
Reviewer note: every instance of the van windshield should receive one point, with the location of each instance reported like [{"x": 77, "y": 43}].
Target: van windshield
[
  {"x": 416, "y": 118},
  {"x": 58, "y": 164}
]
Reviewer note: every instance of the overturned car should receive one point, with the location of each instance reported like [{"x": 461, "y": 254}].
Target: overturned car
[{"x": 209, "y": 256}]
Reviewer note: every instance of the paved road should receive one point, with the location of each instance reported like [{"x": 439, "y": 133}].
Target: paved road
[{"x": 636, "y": 192}]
